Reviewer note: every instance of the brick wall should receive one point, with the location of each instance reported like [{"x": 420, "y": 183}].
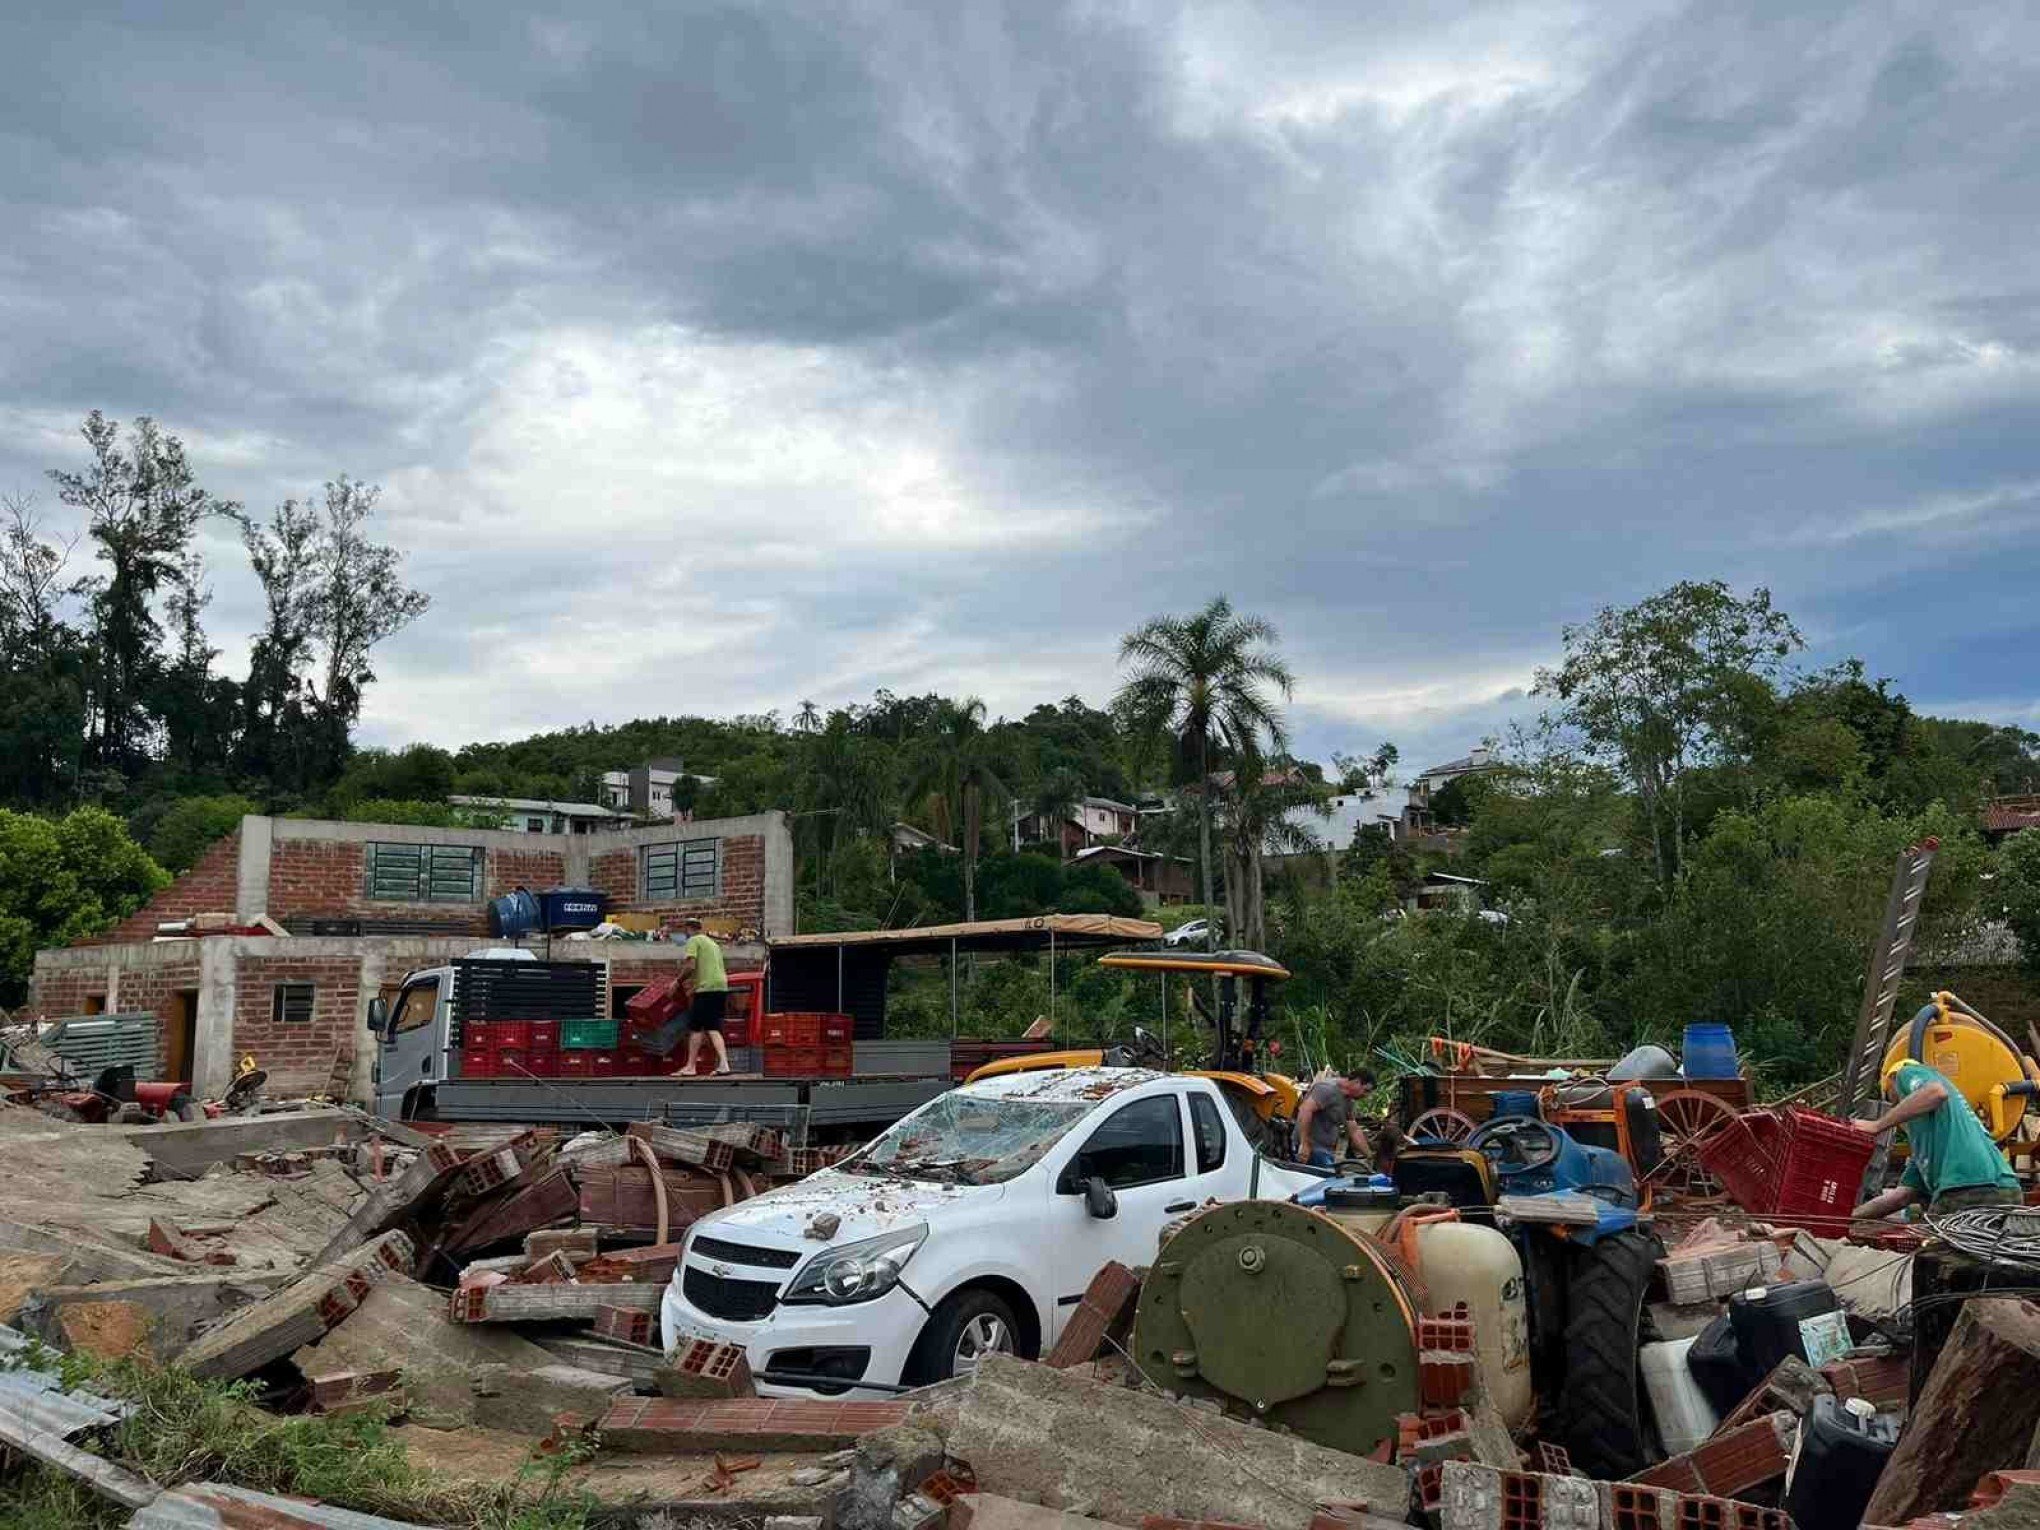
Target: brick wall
[
  {"x": 58, "y": 994},
  {"x": 325, "y": 879},
  {"x": 742, "y": 898},
  {"x": 208, "y": 888},
  {"x": 298, "y": 1057}
]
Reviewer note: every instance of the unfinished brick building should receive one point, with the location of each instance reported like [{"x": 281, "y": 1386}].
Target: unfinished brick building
[{"x": 366, "y": 903}]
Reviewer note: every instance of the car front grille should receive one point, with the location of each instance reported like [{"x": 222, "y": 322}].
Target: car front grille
[
  {"x": 744, "y": 1253},
  {"x": 740, "y": 1301}
]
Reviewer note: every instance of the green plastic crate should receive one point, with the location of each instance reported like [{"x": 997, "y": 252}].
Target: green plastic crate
[{"x": 588, "y": 1035}]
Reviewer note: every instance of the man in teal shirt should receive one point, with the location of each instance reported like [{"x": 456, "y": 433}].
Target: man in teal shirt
[{"x": 1953, "y": 1164}]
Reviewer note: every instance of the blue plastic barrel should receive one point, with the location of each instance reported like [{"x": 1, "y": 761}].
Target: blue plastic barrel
[
  {"x": 514, "y": 915},
  {"x": 1710, "y": 1051},
  {"x": 1515, "y": 1102}
]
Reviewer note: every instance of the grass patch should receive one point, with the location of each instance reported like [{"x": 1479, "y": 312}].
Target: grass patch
[{"x": 187, "y": 1430}]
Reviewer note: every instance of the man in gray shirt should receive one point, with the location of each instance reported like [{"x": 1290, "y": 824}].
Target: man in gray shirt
[{"x": 1324, "y": 1118}]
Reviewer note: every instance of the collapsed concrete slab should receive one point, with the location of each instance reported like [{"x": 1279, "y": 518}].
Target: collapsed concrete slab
[
  {"x": 404, "y": 1326},
  {"x": 298, "y": 1313},
  {"x": 1049, "y": 1437},
  {"x": 186, "y": 1149},
  {"x": 535, "y": 1401},
  {"x": 154, "y": 1317}
]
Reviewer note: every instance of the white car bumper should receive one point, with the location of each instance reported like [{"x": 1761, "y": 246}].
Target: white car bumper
[{"x": 887, "y": 1326}]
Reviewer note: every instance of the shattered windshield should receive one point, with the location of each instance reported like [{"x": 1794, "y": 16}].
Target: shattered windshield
[{"x": 970, "y": 1140}]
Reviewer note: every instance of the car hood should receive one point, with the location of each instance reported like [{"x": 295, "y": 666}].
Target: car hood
[{"x": 864, "y": 1205}]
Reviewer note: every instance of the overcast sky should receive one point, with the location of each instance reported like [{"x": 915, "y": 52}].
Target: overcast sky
[{"x": 734, "y": 355}]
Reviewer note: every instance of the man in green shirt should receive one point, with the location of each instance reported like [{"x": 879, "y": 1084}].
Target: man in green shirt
[
  {"x": 1953, "y": 1164},
  {"x": 702, "y": 964}
]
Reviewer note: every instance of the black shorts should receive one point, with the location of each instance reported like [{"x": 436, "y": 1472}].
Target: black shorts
[{"x": 706, "y": 1012}]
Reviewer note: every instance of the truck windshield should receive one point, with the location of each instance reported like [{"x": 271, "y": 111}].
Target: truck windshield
[{"x": 969, "y": 1139}]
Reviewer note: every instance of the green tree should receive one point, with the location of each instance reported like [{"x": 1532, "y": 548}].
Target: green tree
[
  {"x": 141, "y": 504},
  {"x": 2019, "y": 889},
  {"x": 1211, "y": 679},
  {"x": 282, "y": 741},
  {"x": 958, "y": 769},
  {"x": 1679, "y": 681},
  {"x": 191, "y": 825},
  {"x": 1055, "y": 798},
  {"x": 42, "y": 664},
  {"x": 360, "y": 597},
  {"x": 62, "y": 879}
]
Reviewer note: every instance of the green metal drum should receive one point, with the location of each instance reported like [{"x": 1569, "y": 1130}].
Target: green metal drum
[{"x": 1283, "y": 1315}]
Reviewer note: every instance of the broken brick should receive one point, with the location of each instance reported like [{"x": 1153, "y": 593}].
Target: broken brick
[
  {"x": 551, "y": 1269},
  {"x": 1108, "y": 1300},
  {"x": 1445, "y": 1380},
  {"x": 1452, "y": 1333},
  {"x": 1437, "y": 1437},
  {"x": 704, "y": 1368},
  {"x": 688, "y": 1426},
  {"x": 1730, "y": 1462},
  {"x": 627, "y": 1324}
]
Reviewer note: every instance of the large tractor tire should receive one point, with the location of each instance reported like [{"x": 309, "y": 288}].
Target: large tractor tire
[{"x": 1603, "y": 1415}]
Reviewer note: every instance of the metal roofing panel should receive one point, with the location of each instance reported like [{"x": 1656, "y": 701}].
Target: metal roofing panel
[{"x": 216, "y": 1506}]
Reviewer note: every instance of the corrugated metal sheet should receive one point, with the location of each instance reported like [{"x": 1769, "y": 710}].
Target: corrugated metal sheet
[
  {"x": 34, "y": 1399},
  {"x": 92, "y": 1042},
  {"x": 215, "y": 1506}
]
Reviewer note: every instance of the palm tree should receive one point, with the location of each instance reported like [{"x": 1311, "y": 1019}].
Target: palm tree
[
  {"x": 957, "y": 770},
  {"x": 1262, "y": 818},
  {"x": 808, "y": 719},
  {"x": 1208, "y": 677}
]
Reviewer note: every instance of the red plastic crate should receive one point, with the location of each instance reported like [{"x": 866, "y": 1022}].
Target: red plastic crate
[
  {"x": 542, "y": 1035},
  {"x": 477, "y": 1060},
  {"x": 1793, "y": 1162},
  {"x": 791, "y": 1028},
  {"x": 575, "y": 1065},
  {"x": 512, "y": 1062},
  {"x": 792, "y": 1062},
  {"x": 506, "y": 1033},
  {"x": 838, "y": 1028},
  {"x": 654, "y": 1005},
  {"x": 837, "y": 1061}
]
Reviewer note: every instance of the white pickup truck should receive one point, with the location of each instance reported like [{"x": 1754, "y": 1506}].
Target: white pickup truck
[{"x": 973, "y": 1225}]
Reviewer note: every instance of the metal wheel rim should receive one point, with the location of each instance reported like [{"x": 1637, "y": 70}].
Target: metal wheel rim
[
  {"x": 1444, "y": 1124},
  {"x": 1686, "y": 1119},
  {"x": 985, "y": 1334}
]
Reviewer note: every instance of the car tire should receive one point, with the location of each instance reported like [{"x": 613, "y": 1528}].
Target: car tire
[{"x": 964, "y": 1325}]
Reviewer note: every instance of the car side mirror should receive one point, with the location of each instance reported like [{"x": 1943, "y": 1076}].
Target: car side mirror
[
  {"x": 378, "y": 1014},
  {"x": 1099, "y": 1200}
]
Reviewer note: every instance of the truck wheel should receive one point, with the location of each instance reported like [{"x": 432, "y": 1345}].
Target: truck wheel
[
  {"x": 1603, "y": 1417},
  {"x": 963, "y": 1328}
]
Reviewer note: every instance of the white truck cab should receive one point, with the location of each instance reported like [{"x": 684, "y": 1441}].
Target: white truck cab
[
  {"x": 973, "y": 1225},
  {"x": 414, "y": 1035}
]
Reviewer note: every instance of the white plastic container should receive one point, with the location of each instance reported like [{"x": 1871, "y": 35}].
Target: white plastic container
[
  {"x": 1684, "y": 1416},
  {"x": 1480, "y": 1267}
]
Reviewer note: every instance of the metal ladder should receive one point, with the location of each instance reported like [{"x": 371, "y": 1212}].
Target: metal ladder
[{"x": 1880, "y": 983}]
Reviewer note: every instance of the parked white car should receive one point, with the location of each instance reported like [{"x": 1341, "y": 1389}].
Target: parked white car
[
  {"x": 974, "y": 1225},
  {"x": 1193, "y": 933}
]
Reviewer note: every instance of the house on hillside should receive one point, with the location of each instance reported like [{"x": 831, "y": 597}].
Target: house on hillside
[
  {"x": 1161, "y": 880},
  {"x": 534, "y": 815},
  {"x": 1092, "y": 821},
  {"x": 648, "y": 790},
  {"x": 2006, "y": 816}
]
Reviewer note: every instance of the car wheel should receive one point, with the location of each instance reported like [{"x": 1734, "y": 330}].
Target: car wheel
[{"x": 964, "y": 1329}]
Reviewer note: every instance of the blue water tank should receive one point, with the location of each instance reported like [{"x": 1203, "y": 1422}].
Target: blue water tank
[
  {"x": 514, "y": 915},
  {"x": 572, "y": 908},
  {"x": 1710, "y": 1051},
  {"x": 1515, "y": 1102}
]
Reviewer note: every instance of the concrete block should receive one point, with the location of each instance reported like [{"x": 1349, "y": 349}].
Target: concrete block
[
  {"x": 408, "y": 1194},
  {"x": 1479, "y": 1497},
  {"x": 508, "y": 1303},
  {"x": 636, "y": 1363},
  {"x": 577, "y": 1243},
  {"x": 678, "y": 1145},
  {"x": 628, "y": 1325},
  {"x": 1034, "y": 1433}
]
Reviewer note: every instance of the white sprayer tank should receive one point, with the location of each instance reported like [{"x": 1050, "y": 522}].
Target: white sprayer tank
[{"x": 1480, "y": 1267}]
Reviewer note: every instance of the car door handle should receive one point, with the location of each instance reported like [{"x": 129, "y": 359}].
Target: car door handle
[{"x": 1171, "y": 1210}]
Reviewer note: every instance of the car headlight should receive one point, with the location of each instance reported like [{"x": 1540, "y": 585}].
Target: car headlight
[{"x": 856, "y": 1272}]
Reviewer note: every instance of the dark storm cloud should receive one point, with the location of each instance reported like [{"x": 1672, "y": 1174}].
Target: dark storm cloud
[{"x": 726, "y": 355}]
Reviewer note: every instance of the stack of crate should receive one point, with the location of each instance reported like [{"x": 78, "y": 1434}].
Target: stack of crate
[
  {"x": 510, "y": 1049},
  {"x": 588, "y": 1048},
  {"x": 806, "y": 1044}
]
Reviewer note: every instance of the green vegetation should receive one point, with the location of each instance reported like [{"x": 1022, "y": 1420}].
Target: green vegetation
[{"x": 186, "y": 1430}]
